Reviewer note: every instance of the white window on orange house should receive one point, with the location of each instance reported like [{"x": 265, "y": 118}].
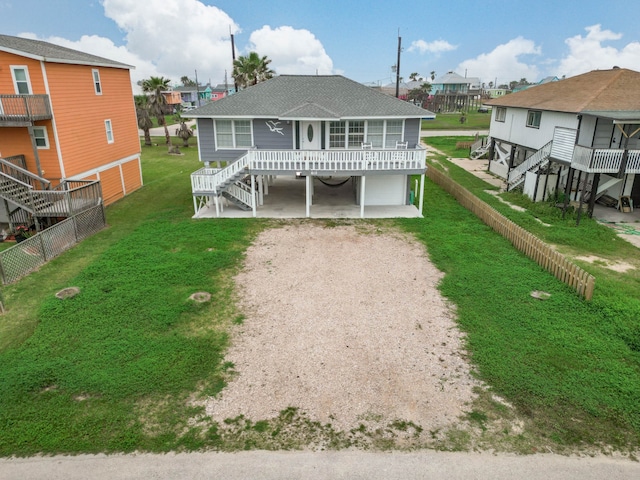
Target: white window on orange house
[
  {"x": 41, "y": 137},
  {"x": 21, "y": 81},
  {"x": 96, "y": 81},
  {"x": 108, "y": 127}
]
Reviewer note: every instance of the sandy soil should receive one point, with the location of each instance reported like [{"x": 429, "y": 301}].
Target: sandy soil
[{"x": 347, "y": 325}]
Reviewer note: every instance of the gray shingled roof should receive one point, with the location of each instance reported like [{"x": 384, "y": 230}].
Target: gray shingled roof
[
  {"x": 48, "y": 52},
  {"x": 323, "y": 97}
]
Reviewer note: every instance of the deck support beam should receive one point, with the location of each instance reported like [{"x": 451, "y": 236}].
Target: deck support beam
[
  {"x": 308, "y": 194},
  {"x": 362, "y": 187},
  {"x": 421, "y": 202}
]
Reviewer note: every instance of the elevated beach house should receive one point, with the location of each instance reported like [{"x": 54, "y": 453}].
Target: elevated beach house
[
  {"x": 309, "y": 134},
  {"x": 68, "y": 132},
  {"x": 579, "y": 135}
]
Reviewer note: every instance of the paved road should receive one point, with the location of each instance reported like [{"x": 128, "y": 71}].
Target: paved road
[{"x": 352, "y": 465}]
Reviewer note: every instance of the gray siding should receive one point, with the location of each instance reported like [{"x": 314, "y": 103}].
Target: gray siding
[
  {"x": 265, "y": 139},
  {"x": 412, "y": 132},
  {"x": 206, "y": 140}
]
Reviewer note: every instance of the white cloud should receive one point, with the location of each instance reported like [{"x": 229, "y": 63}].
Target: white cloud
[
  {"x": 104, "y": 47},
  {"x": 177, "y": 36},
  {"x": 173, "y": 38},
  {"x": 292, "y": 51},
  {"x": 503, "y": 63},
  {"x": 587, "y": 53},
  {"x": 437, "y": 46}
]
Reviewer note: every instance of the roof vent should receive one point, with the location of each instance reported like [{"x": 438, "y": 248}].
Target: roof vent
[{"x": 615, "y": 67}]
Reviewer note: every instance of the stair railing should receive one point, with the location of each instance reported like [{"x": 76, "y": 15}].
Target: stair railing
[{"x": 516, "y": 175}]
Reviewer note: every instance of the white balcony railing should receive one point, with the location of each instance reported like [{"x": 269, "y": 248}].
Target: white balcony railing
[
  {"x": 311, "y": 162},
  {"x": 599, "y": 160}
]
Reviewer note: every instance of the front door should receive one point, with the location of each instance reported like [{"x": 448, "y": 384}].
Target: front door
[{"x": 310, "y": 136}]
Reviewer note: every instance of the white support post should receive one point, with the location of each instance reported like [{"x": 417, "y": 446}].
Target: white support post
[
  {"x": 261, "y": 189},
  {"x": 216, "y": 200},
  {"x": 266, "y": 184},
  {"x": 308, "y": 195},
  {"x": 362, "y": 183},
  {"x": 253, "y": 195},
  {"x": 421, "y": 203},
  {"x": 195, "y": 205}
]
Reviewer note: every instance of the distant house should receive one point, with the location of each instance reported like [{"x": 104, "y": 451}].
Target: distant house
[
  {"x": 67, "y": 124},
  {"x": 311, "y": 127},
  {"x": 580, "y": 135},
  {"x": 452, "y": 93},
  {"x": 195, "y": 97}
]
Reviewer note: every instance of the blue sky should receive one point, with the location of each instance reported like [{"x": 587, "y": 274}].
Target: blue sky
[{"x": 494, "y": 40}]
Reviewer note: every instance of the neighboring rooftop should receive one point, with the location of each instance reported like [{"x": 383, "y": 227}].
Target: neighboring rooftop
[
  {"x": 49, "y": 52},
  {"x": 614, "y": 93},
  {"x": 322, "y": 97}
]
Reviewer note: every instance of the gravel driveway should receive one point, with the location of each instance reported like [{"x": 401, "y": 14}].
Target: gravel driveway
[{"x": 347, "y": 325}]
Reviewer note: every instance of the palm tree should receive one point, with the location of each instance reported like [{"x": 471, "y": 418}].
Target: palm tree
[
  {"x": 251, "y": 69},
  {"x": 144, "y": 119},
  {"x": 183, "y": 131},
  {"x": 433, "y": 75},
  {"x": 157, "y": 102},
  {"x": 414, "y": 76}
]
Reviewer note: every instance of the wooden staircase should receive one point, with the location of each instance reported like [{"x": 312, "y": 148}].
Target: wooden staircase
[
  {"x": 35, "y": 199},
  {"x": 538, "y": 160}
]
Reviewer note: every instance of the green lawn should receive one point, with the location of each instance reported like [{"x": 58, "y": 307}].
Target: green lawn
[
  {"x": 451, "y": 121},
  {"x": 114, "y": 368}
]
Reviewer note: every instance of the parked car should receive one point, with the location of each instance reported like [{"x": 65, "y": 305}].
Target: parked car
[{"x": 483, "y": 110}]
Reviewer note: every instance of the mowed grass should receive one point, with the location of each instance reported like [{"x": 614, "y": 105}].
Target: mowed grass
[
  {"x": 110, "y": 369},
  {"x": 571, "y": 367},
  {"x": 117, "y": 368},
  {"x": 451, "y": 121}
]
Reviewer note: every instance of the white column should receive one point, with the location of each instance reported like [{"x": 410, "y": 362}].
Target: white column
[
  {"x": 421, "y": 202},
  {"x": 362, "y": 182},
  {"x": 266, "y": 181},
  {"x": 253, "y": 195},
  {"x": 217, "y": 202},
  {"x": 308, "y": 195},
  {"x": 261, "y": 189}
]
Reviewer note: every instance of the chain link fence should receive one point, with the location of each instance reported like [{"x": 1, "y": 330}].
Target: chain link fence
[{"x": 35, "y": 251}]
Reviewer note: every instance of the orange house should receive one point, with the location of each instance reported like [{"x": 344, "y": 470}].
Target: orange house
[{"x": 66, "y": 118}]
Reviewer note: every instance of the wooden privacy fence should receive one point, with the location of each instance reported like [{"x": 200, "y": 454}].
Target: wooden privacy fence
[{"x": 530, "y": 245}]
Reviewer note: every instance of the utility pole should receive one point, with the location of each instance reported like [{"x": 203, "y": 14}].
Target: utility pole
[
  {"x": 233, "y": 57},
  {"x": 398, "y": 66},
  {"x": 197, "y": 89}
]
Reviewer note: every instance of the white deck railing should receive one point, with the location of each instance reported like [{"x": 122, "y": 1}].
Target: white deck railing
[
  {"x": 314, "y": 162},
  {"x": 598, "y": 160}
]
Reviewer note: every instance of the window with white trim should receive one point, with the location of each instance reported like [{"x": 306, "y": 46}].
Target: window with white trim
[
  {"x": 337, "y": 134},
  {"x": 96, "y": 81},
  {"x": 533, "y": 118},
  {"x": 356, "y": 133},
  {"x": 394, "y": 133},
  {"x": 501, "y": 114},
  {"x": 21, "y": 81},
  {"x": 41, "y": 137},
  {"x": 375, "y": 133},
  {"x": 109, "y": 129},
  {"x": 233, "y": 134}
]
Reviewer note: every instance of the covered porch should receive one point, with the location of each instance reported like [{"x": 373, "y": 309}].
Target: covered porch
[{"x": 285, "y": 196}]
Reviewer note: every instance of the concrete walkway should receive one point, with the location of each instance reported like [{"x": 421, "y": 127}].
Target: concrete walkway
[{"x": 351, "y": 465}]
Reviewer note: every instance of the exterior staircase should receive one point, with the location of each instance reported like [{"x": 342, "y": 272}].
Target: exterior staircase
[
  {"x": 480, "y": 148},
  {"x": 535, "y": 162},
  {"x": 29, "y": 197},
  {"x": 229, "y": 183}
]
